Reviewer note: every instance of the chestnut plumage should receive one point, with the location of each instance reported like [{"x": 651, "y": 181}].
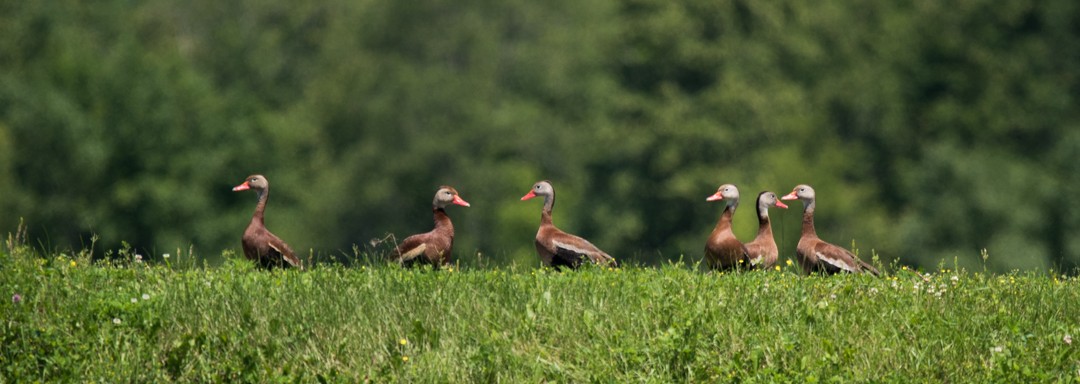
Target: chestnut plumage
[
  {"x": 261, "y": 246},
  {"x": 816, "y": 255},
  {"x": 436, "y": 247},
  {"x": 763, "y": 251},
  {"x": 557, "y": 248},
  {"x": 722, "y": 250}
]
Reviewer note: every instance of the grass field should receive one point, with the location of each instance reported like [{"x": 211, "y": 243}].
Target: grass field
[{"x": 65, "y": 318}]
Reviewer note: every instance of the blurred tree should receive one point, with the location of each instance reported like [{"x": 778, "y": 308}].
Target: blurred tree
[{"x": 929, "y": 132}]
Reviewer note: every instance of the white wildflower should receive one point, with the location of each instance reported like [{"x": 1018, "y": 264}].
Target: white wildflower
[
  {"x": 146, "y": 296},
  {"x": 165, "y": 256},
  {"x": 134, "y": 300},
  {"x": 1067, "y": 339},
  {"x": 116, "y": 320}
]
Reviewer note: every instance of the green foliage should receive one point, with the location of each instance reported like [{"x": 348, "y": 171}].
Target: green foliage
[
  {"x": 131, "y": 320},
  {"x": 930, "y": 131}
]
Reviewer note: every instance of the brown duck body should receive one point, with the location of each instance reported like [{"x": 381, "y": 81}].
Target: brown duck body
[
  {"x": 435, "y": 247},
  {"x": 560, "y": 249},
  {"x": 557, "y": 248},
  {"x": 816, "y": 255},
  {"x": 763, "y": 251},
  {"x": 266, "y": 249},
  {"x": 259, "y": 244}
]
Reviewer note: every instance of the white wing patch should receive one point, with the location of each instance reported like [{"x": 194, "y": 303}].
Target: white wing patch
[
  {"x": 836, "y": 263},
  {"x": 283, "y": 256},
  {"x": 413, "y": 253},
  {"x": 559, "y": 244}
]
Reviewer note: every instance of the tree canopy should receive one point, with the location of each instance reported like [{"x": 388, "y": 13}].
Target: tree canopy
[{"x": 930, "y": 130}]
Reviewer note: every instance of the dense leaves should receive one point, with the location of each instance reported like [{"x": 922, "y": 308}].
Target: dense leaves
[{"x": 930, "y": 130}]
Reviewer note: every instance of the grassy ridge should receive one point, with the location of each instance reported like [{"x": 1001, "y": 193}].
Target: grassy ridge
[{"x": 129, "y": 320}]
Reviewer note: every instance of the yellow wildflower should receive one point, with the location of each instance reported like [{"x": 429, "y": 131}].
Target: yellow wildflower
[
  {"x": 405, "y": 359},
  {"x": 403, "y": 342},
  {"x": 777, "y": 267},
  {"x": 789, "y": 262},
  {"x": 73, "y": 263}
]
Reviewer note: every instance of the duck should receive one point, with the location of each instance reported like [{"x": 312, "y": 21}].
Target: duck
[
  {"x": 559, "y": 249},
  {"x": 723, "y": 251},
  {"x": 816, "y": 255},
  {"x": 762, "y": 250},
  {"x": 264, "y": 248},
  {"x": 437, "y": 245}
]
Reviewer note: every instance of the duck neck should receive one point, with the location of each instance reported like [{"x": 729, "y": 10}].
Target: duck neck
[
  {"x": 545, "y": 214},
  {"x": 260, "y": 207},
  {"x": 725, "y": 218},
  {"x": 764, "y": 224},
  {"x": 442, "y": 220},
  {"x": 808, "y": 219}
]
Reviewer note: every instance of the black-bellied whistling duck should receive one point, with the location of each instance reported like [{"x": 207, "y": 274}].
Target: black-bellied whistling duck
[
  {"x": 722, "y": 249},
  {"x": 558, "y": 248},
  {"x": 436, "y": 246},
  {"x": 763, "y": 251},
  {"x": 259, "y": 244},
  {"x": 815, "y": 255}
]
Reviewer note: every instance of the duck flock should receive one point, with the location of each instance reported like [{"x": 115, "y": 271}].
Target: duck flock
[{"x": 723, "y": 251}]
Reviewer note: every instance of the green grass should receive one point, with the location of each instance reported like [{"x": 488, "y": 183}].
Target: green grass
[{"x": 83, "y": 321}]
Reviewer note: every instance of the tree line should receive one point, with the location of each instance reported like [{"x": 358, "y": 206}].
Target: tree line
[{"x": 930, "y": 131}]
